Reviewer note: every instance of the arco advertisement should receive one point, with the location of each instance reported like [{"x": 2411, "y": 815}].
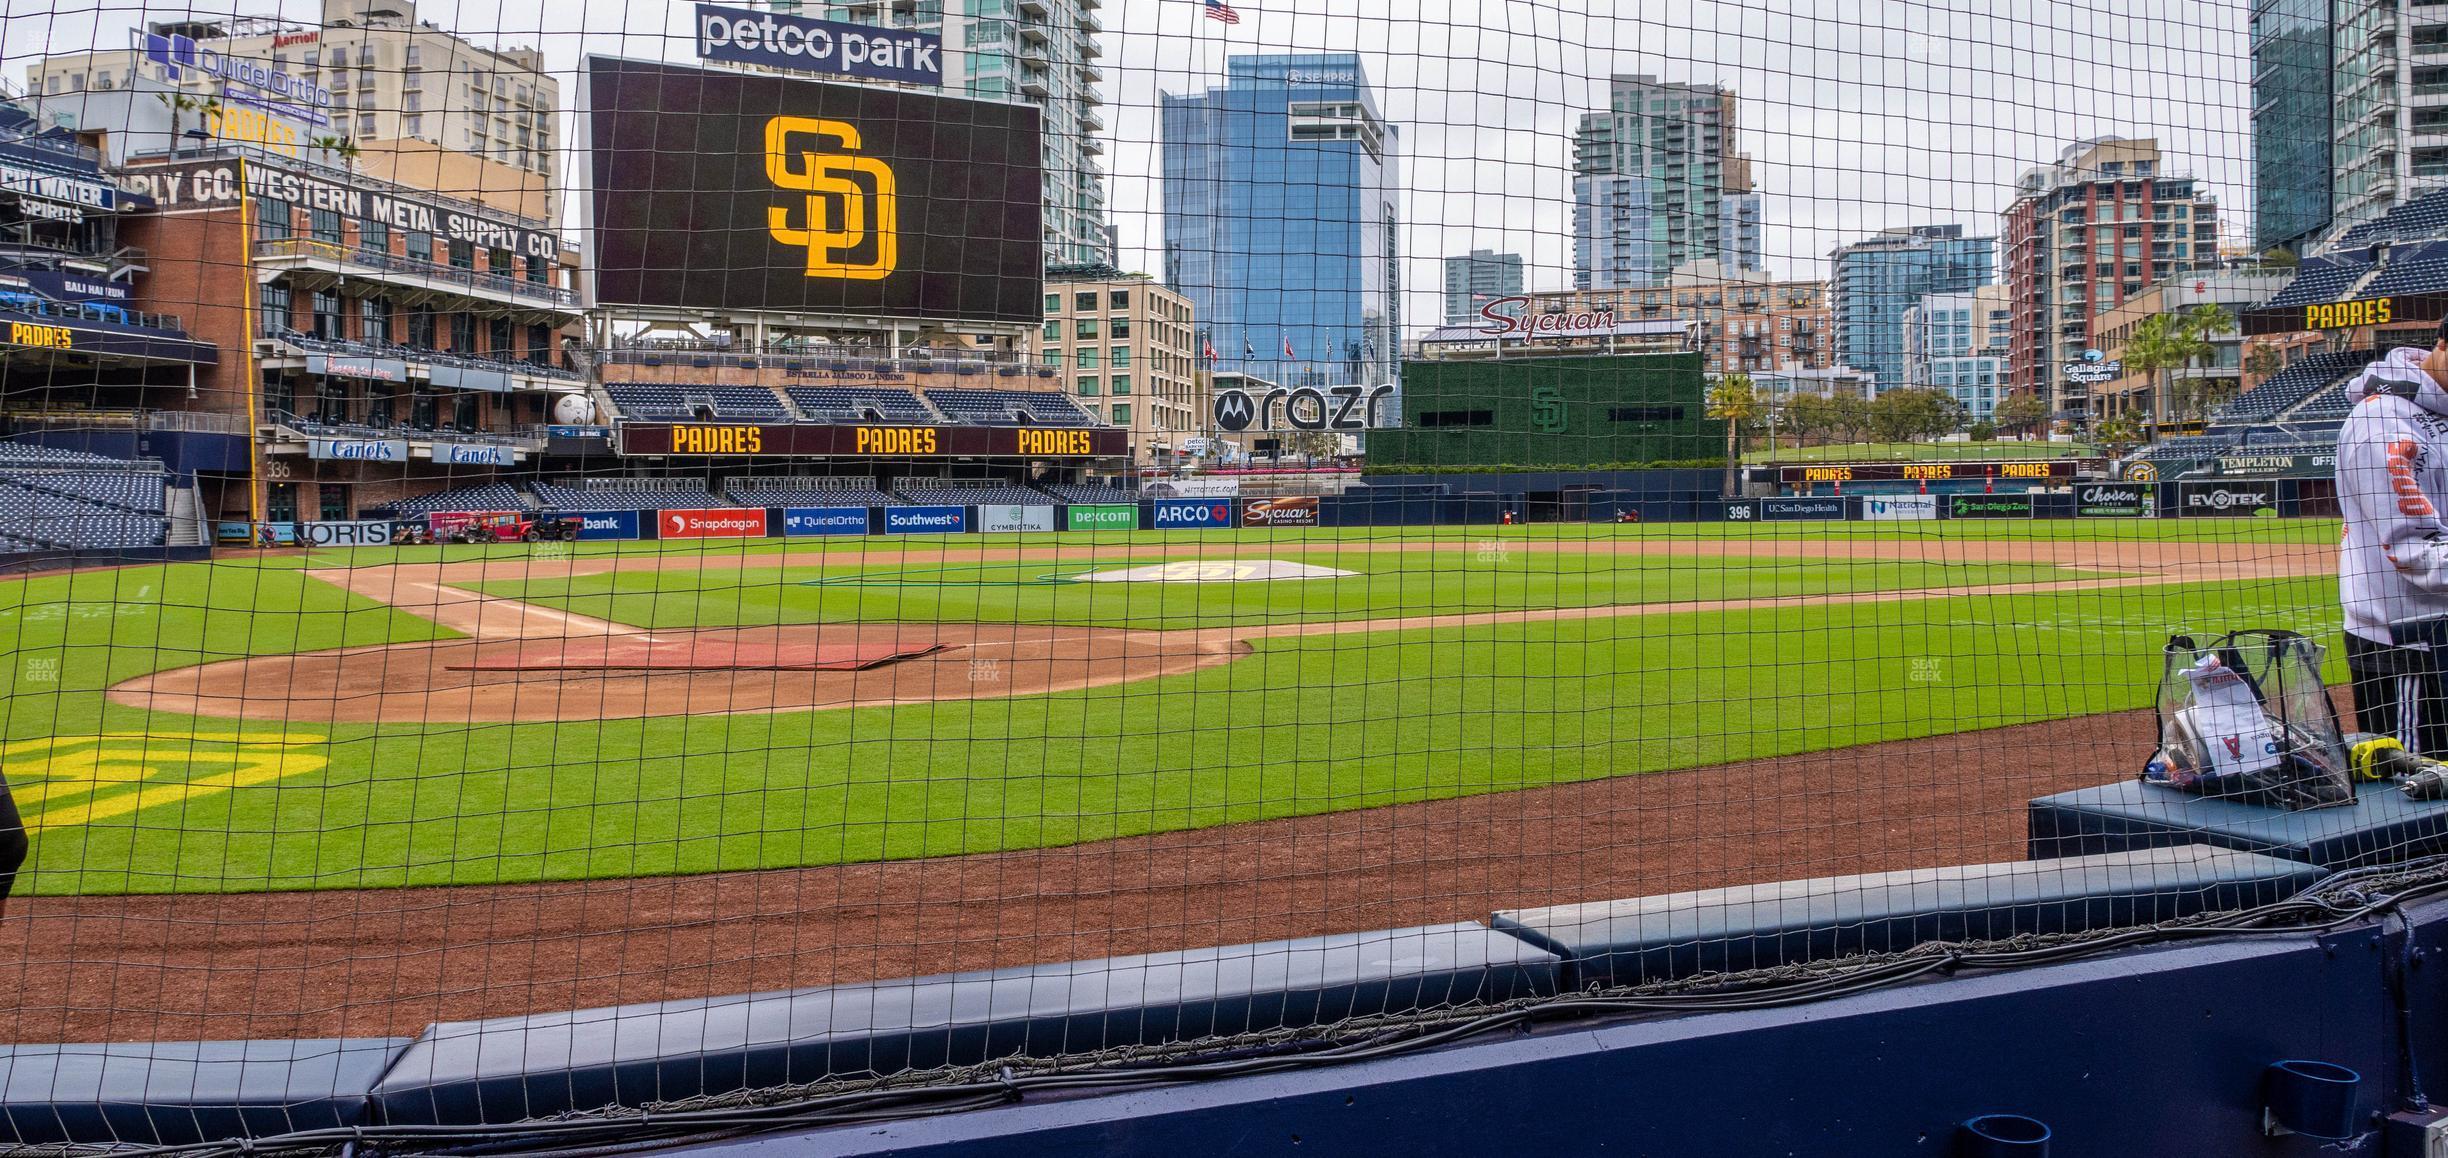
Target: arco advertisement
[
  {"x": 1192, "y": 514},
  {"x": 735, "y": 523},
  {"x": 1101, "y": 517}
]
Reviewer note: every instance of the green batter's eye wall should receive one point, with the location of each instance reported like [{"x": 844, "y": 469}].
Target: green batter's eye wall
[{"x": 1550, "y": 412}]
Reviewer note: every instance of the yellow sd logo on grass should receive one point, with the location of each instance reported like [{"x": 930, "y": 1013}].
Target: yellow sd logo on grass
[
  {"x": 71, "y": 780},
  {"x": 861, "y": 187}
]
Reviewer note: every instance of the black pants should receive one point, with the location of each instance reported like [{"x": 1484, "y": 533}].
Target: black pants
[
  {"x": 2398, "y": 692},
  {"x": 12, "y": 841}
]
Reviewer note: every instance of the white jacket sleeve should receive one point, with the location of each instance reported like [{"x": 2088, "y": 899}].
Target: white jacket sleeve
[{"x": 2383, "y": 474}]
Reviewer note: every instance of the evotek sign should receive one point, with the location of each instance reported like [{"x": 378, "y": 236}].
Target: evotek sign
[
  {"x": 1300, "y": 408},
  {"x": 739, "y": 36},
  {"x": 178, "y": 54},
  {"x": 808, "y": 197},
  {"x": 861, "y": 188},
  {"x": 2226, "y": 498}
]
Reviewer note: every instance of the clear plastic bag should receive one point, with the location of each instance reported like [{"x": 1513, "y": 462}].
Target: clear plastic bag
[{"x": 2247, "y": 718}]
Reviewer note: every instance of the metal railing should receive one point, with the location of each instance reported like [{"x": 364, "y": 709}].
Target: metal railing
[
  {"x": 317, "y": 345},
  {"x": 309, "y": 247},
  {"x": 34, "y": 305},
  {"x": 410, "y": 432}
]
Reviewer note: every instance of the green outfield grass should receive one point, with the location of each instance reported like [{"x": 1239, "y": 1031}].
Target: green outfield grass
[
  {"x": 123, "y": 801},
  {"x": 1382, "y": 585}
]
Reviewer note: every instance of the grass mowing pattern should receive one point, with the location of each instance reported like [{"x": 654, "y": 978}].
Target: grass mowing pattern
[
  {"x": 1301, "y": 727},
  {"x": 1386, "y": 585}
]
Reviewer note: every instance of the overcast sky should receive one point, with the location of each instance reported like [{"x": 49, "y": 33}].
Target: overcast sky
[{"x": 1892, "y": 113}]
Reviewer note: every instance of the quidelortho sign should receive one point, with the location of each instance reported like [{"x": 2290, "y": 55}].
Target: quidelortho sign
[
  {"x": 1101, "y": 517},
  {"x": 774, "y": 40},
  {"x": 2227, "y": 498},
  {"x": 799, "y": 521},
  {"x": 2115, "y": 500}
]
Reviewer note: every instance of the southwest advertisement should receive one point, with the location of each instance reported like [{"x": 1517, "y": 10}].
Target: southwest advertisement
[{"x": 723, "y": 190}]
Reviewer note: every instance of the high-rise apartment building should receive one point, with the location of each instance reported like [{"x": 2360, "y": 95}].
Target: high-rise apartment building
[
  {"x": 1743, "y": 322},
  {"x": 1658, "y": 183},
  {"x": 1475, "y": 279},
  {"x": 1043, "y": 52},
  {"x": 1279, "y": 220},
  {"x": 1957, "y": 343},
  {"x": 416, "y": 104},
  {"x": 1874, "y": 281},
  {"x": 2348, "y": 116},
  {"x": 2082, "y": 236},
  {"x": 1124, "y": 346}
]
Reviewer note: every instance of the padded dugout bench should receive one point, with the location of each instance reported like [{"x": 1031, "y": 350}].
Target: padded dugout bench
[
  {"x": 1659, "y": 938},
  {"x": 2380, "y": 827}
]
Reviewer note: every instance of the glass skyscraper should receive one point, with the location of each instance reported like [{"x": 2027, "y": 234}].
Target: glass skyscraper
[
  {"x": 1876, "y": 280},
  {"x": 1657, "y": 182},
  {"x": 1043, "y": 52},
  {"x": 2291, "y": 122},
  {"x": 1279, "y": 220}
]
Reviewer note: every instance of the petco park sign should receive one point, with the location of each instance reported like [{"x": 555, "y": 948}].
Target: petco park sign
[{"x": 739, "y": 36}]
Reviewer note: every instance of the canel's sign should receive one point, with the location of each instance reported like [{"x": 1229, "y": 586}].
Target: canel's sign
[{"x": 1586, "y": 323}]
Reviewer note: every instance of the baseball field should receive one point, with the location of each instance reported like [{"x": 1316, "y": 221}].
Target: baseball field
[{"x": 512, "y": 778}]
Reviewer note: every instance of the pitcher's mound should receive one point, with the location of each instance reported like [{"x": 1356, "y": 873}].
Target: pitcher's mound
[
  {"x": 628, "y": 653},
  {"x": 1216, "y": 571}
]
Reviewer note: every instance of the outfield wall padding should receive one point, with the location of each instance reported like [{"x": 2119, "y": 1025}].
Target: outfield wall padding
[
  {"x": 179, "y": 1092},
  {"x": 505, "y": 1069},
  {"x": 1644, "y": 939}
]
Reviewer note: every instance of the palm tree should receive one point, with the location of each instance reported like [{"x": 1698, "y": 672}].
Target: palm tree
[
  {"x": 2203, "y": 323},
  {"x": 1733, "y": 401},
  {"x": 342, "y": 147},
  {"x": 2153, "y": 349},
  {"x": 180, "y": 104}
]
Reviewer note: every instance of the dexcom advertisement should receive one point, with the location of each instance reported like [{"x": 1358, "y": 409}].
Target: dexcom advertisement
[{"x": 723, "y": 190}]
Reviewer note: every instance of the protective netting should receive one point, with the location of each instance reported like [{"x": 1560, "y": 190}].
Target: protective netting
[{"x": 520, "y": 509}]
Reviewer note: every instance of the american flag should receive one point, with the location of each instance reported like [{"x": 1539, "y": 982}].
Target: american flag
[{"x": 1219, "y": 10}]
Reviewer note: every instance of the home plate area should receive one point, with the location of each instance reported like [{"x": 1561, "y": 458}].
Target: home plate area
[{"x": 693, "y": 653}]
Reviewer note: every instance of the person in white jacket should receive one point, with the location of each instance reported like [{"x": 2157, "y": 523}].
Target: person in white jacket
[{"x": 2392, "y": 476}]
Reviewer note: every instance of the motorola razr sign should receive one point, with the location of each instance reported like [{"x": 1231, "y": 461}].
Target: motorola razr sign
[
  {"x": 710, "y": 189},
  {"x": 858, "y": 51}
]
